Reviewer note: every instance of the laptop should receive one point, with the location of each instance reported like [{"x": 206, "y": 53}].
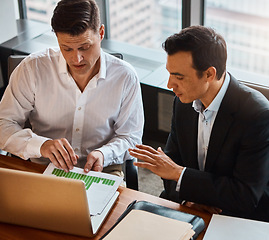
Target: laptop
[{"x": 47, "y": 202}]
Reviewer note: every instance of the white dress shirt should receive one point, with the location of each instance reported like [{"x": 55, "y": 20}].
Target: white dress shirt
[
  {"x": 205, "y": 123},
  {"x": 106, "y": 116}
]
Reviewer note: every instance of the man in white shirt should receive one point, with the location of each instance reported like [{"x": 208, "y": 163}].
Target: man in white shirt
[
  {"x": 217, "y": 154},
  {"x": 84, "y": 105}
]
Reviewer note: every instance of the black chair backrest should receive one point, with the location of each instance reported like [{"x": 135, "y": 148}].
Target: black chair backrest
[
  {"x": 13, "y": 62},
  {"x": 118, "y": 55}
]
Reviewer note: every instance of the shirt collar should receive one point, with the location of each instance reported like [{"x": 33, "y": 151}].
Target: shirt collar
[
  {"x": 215, "y": 104},
  {"x": 101, "y": 74},
  {"x": 62, "y": 64},
  {"x": 102, "y": 71}
]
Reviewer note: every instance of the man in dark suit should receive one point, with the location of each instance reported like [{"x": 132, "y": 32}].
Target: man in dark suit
[{"x": 217, "y": 154}]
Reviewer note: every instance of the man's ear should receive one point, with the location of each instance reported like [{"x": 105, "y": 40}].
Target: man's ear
[
  {"x": 211, "y": 74},
  {"x": 102, "y": 32}
]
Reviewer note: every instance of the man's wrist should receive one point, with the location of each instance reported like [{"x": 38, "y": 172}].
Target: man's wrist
[
  {"x": 180, "y": 178},
  {"x": 178, "y": 173}
]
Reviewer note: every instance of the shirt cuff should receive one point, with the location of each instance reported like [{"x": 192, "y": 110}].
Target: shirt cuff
[
  {"x": 33, "y": 147},
  {"x": 179, "y": 180},
  {"x": 109, "y": 156}
]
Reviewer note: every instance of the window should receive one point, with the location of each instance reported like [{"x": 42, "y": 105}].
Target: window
[
  {"x": 144, "y": 23},
  {"x": 244, "y": 25},
  {"x": 40, "y": 10}
]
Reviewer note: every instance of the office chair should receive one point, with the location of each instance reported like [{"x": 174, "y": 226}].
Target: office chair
[
  {"x": 130, "y": 171},
  {"x": 264, "y": 90}
]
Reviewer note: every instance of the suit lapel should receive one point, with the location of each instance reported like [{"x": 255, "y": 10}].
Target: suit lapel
[
  {"x": 188, "y": 135},
  {"x": 222, "y": 123}
]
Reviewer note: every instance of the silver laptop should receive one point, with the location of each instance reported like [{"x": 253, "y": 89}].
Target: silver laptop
[{"x": 47, "y": 202}]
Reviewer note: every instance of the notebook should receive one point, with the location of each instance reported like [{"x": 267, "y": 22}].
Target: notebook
[{"x": 47, "y": 202}]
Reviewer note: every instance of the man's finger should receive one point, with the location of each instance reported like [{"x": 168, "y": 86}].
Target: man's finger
[
  {"x": 147, "y": 148},
  {"x": 97, "y": 168},
  {"x": 87, "y": 167},
  {"x": 54, "y": 160},
  {"x": 144, "y": 165},
  {"x": 66, "y": 151},
  {"x": 60, "y": 160},
  {"x": 160, "y": 150},
  {"x": 70, "y": 151},
  {"x": 142, "y": 155},
  {"x": 65, "y": 158},
  {"x": 89, "y": 164}
]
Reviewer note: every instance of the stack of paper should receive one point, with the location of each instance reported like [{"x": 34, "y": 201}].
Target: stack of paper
[
  {"x": 142, "y": 225},
  {"x": 100, "y": 187}
]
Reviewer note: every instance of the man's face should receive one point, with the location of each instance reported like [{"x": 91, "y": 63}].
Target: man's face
[
  {"x": 81, "y": 52},
  {"x": 183, "y": 78}
]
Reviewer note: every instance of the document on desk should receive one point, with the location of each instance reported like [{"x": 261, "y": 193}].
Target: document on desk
[
  {"x": 224, "y": 227},
  {"x": 100, "y": 187},
  {"x": 140, "y": 224}
]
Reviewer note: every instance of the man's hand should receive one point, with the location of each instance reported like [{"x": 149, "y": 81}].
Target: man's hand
[
  {"x": 60, "y": 153},
  {"x": 203, "y": 208},
  {"x": 156, "y": 161},
  {"x": 95, "y": 162}
]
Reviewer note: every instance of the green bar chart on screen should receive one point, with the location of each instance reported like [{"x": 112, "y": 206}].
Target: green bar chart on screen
[{"x": 88, "y": 180}]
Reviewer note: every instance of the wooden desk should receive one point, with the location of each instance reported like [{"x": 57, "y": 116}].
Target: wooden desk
[{"x": 9, "y": 231}]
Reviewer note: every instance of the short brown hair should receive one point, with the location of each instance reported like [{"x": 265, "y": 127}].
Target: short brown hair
[
  {"x": 207, "y": 47},
  {"x": 75, "y": 17}
]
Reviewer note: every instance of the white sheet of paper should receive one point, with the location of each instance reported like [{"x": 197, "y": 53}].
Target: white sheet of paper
[
  {"x": 100, "y": 187},
  {"x": 224, "y": 227},
  {"x": 142, "y": 225}
]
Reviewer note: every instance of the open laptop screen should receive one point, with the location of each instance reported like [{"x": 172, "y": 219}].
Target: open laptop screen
[{"x": 46, "y": 202}]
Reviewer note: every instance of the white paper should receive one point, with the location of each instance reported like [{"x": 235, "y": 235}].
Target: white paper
[
  {"x": 98, "y": 193},
  {"x": 224, "y": 227}
]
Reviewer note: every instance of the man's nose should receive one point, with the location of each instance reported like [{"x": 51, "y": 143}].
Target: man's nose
[
  {"x": 170, "y": 83},
  {"x": 77, "y": 57}
]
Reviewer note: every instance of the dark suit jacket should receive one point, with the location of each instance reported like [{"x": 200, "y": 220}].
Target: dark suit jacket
[{"x": 236, "y": 175}]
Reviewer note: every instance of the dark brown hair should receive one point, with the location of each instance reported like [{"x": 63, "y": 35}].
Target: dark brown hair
[
  {"x": 207, "y": 47},
  {"x": 75, "y": 17}
]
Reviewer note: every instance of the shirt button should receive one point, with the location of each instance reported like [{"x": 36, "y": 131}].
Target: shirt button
[
  {"x": 79, "y": 108},
  {"x": 77, "y": 129}
]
